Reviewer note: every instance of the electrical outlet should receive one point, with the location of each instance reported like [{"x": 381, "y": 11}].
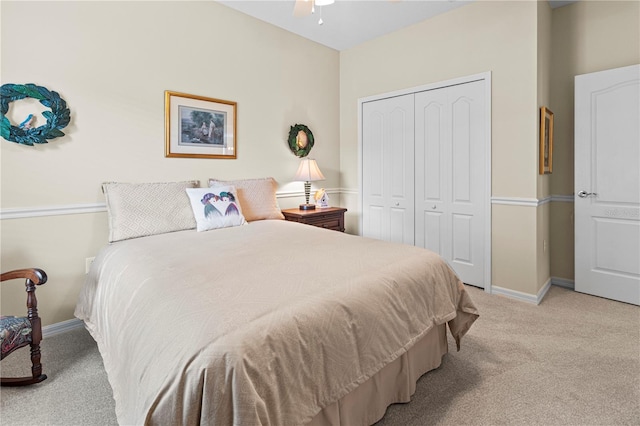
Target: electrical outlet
[{"x": 87, "y": 264}]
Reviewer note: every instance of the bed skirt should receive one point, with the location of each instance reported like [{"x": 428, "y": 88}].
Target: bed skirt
[{"x": 396, "y": 382}]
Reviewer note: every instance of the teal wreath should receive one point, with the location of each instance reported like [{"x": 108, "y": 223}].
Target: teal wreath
[
  {"x": 57, "y": 118},
  {"x": 300, "y": 151}
]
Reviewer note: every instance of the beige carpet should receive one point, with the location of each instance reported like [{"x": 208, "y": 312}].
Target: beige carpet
[{"x": 572, "y": 360}]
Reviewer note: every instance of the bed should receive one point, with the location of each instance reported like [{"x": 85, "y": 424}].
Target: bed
[{"x": 268, "y": 323}]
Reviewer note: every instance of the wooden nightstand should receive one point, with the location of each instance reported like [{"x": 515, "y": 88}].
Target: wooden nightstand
[{"x": 328, "y": 217}]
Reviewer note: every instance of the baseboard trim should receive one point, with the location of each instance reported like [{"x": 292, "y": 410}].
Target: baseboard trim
[
  {"x": 534, "y": 299},
  {"x": 61, "y": 327},
  {"x": 563, "y": 282},
  {"x": 513, "y": 294},
  {"x": 543, "y": 291}
]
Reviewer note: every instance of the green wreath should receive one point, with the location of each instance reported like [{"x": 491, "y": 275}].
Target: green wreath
[
  {"x": 57, "y": 118},
  {"x": 300, "y": 144}
]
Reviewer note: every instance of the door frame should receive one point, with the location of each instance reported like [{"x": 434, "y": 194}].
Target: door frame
[{"x": 486, "y": 77}]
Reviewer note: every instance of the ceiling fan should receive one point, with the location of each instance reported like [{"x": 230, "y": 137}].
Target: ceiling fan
[
  {"x": 303, "y": 8},
  {"x": 307, "y": 7}
]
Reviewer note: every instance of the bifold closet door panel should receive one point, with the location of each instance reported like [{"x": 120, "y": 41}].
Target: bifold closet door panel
[
  {"x": 432, "y": 171},
  {"x": 388, "y": 169},
  {"x": 450, "y": 171}
]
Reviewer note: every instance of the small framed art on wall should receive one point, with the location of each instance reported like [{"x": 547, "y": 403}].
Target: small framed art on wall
[
  {"x": 546, "y": 141},
  {"x": 199, "y": 127}
]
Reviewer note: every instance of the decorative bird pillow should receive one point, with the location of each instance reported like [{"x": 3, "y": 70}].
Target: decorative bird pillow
[{"x": 215, "y": 207}]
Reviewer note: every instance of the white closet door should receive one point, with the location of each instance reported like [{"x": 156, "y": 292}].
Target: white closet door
[
  {"x": 607, "y": 184},
  {"x": 450, "y": 175},
  {"x": 387, "y": 169}
]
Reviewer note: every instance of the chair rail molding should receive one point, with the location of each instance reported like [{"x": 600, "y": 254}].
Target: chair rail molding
[
  {"x": 26, "y": 212},
  {"x": 532, "y": 202},
  {"x": 40, "y": 211}
]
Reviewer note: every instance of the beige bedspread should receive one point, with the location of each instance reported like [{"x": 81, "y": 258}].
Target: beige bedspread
[{"x": 265, "y": 323}]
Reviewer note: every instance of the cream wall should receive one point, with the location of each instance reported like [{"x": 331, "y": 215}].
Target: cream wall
[
  {"x": 112, "y": 62},
  {"x": 544, "y": 67},
  {"x": 588, "y": 36},
  {"x": 500, "y": 37},
  {"x": 543, "y": 185}
]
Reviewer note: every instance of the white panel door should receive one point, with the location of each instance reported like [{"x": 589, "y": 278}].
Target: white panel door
[
  {"x": 450, "y": 176},
  {"x": 607, "y": 184},
  {"x": 387, "y": 169},
  {"x": 433, "y": 165}
]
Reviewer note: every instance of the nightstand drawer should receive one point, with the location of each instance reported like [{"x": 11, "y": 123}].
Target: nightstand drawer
[
  {"x": 326, "y": 221},
  {"x": 327, "y": 218}
]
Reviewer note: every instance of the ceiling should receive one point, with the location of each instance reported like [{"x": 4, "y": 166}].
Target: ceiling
[{"x": 347, "y": 23}]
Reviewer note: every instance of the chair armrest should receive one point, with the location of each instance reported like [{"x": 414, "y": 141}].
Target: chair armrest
[
  {"x": 36, "y": 276},
  {"x": 33, "y": 277}
]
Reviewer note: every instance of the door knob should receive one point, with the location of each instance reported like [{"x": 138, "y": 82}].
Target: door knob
[{"x": 585, "y": 194}]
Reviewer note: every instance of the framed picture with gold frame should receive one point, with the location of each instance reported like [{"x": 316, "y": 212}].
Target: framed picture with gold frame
[
  {"x": 546, "y": 141},
  {"x": 199, "y": 127}
]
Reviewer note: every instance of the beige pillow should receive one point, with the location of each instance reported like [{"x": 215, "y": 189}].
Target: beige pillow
[
  {"x": 142, "y": 209},
  {"x": 256, "y": 196}
]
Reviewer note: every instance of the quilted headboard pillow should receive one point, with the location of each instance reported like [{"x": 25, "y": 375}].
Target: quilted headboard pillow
[
  {"x": 256, "y": 196},
  {"x": 142, "y": 209}
]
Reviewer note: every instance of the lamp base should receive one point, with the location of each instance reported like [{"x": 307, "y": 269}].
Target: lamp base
[{"x": 307, "y": 206}]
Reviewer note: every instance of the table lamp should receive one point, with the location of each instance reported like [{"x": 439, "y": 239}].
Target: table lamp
[{"x": 308, "y": 172}]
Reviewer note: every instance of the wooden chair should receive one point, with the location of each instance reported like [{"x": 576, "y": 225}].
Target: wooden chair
[{"x": 17, "y": 332}]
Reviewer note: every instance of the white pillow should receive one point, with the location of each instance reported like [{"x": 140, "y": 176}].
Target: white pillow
[
  {"x": 215, "y": 207},
  {"x": 141, "y": 209},
  {"x": 257, "y": 197}
]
